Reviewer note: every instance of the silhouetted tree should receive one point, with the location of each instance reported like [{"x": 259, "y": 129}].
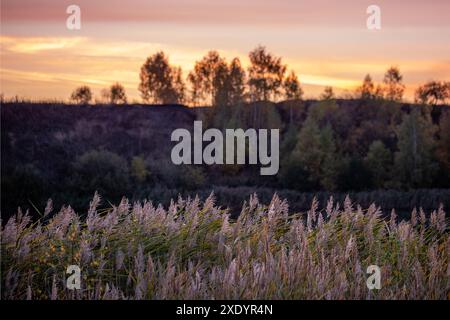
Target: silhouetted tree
[
  {"x": 161, "y": 83},
  {"x": 327, "y": 94},
  {"x": 378, "y": 93},
  {"x": 291, "y": 86},
  {"x": 221, "y": 85},
  {"x": 196, "y": 90},
  {"x": 266, "y": 74},
  {"x": 433, "y": 92},
  {"x": 178, "y": 84},
  {"x": 209, "y": 78},
  {"x": 115, "y": 94},
  {"x": 367, "y": 90},
  {"x": 81, "y": 95},
  {"x": 394, "y": 87},
  {"x": 236, "y": 79}
]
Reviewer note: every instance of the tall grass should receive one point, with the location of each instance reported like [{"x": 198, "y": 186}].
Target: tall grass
[{"x": 193, "y": 250}]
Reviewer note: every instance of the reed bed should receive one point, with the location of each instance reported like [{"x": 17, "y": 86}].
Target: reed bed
[{"x": 193, "y": 250}]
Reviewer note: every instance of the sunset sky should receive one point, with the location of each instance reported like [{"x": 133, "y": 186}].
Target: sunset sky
[{"x": 326, "y": 42}]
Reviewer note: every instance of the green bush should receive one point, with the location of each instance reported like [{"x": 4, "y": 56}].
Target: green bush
[
  {"x": 102, "y": 171},
  {"x": 23, "y": 185}
]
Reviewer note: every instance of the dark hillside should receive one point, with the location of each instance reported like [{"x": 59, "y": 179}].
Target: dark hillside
[{"x": 67, "y": 152}]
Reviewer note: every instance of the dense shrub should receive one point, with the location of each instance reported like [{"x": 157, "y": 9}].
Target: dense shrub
[
  {"x": 23, "y": 185},
  {"x": 101, "y": 171}
]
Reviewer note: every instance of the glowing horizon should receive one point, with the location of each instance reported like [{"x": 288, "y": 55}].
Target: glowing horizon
[{"x": 325, "y": 43}]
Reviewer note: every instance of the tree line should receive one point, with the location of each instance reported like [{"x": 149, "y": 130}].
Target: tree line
[
  {"x": 217, "y": 82},
  {"x": 394, "y": 150}
]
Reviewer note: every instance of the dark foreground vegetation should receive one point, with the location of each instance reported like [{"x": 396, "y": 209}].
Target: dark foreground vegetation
[{"x": 394, "y": 154}]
